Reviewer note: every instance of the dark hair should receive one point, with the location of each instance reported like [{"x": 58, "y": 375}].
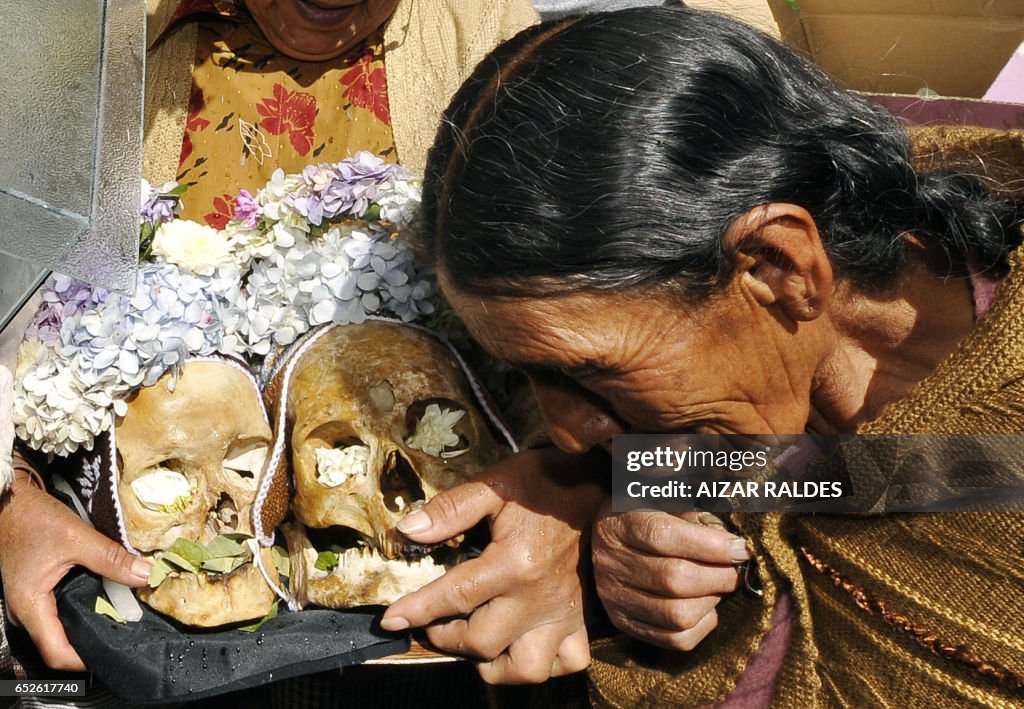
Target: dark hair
[{"x": 612, "y": 152}]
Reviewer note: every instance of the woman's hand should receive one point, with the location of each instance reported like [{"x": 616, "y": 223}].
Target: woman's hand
[
  {"x": 660, "y": 577},
  {"x": 40, "y": 541},
  {"x": 518, "y": 607}
]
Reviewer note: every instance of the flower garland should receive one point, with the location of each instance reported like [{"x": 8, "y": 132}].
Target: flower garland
[{"x": 305, "y": 250}]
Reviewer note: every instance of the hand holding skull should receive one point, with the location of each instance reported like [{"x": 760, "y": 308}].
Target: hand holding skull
[
  {"x": 518, "y": 607},
  {"x": 40, "y": 541}
]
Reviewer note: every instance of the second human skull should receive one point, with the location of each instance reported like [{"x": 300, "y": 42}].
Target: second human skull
[{"x": 382, "y": 418}]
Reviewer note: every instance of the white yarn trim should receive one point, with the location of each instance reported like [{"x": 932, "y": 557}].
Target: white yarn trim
[{"x": 289, "y": 362}]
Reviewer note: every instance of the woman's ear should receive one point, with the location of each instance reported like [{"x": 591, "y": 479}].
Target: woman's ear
[{"x": 780, "y": 260}]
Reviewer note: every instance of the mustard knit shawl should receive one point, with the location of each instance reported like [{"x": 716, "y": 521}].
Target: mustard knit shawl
[{"x": 923, "y": 610}]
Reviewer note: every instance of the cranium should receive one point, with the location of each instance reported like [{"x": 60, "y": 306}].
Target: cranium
[
  {"x": 381, "y": 419},
  {"x": 188, "y": 462}
]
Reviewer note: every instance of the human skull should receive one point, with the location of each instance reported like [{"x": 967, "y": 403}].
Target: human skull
[
  {"x": 188, "y": 461},
  {"x": 381, "y": 419}
]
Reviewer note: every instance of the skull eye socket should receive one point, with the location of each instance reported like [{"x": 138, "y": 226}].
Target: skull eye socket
[
  {"x": 399, "y": 484},
  {"x": 439, "y": 427},
  {"x": 163, "y": 487},
  {"x": 245, "y": 459},
  {"x": 338, "y": 456}
]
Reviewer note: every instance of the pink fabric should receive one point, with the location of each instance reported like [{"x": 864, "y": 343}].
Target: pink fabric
[
  {"x": 983, "y": 287},
  {"x": 756, "y": 685}
]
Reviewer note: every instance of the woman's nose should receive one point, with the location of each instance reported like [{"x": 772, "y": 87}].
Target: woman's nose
[{"x": 576, "y": 420}]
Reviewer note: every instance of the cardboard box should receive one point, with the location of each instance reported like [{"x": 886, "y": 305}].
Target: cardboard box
[
  {"x": 753, "y": 12},
  {"x": 953, "y": 48}
]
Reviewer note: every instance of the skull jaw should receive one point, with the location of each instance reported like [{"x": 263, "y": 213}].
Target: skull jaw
[
  {"x": 202, "y": 601},
  {"x": 362, "y": 578}
]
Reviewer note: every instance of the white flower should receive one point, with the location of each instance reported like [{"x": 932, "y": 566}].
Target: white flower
[
  {"x": 274, "y": 199},
  {"x": 401, "y": 202},
  {"x": 162, "y": 490},
  {"x": 336, "y": 465},
  {"x": 435, "y": 431},
  {"x": 248, "y": 243},
  {"x": 196, "y": 247}
]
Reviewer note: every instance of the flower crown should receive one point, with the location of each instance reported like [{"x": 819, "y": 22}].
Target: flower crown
[{"x": 305, "y": 250}]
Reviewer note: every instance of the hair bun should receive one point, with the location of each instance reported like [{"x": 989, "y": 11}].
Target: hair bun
[{"x": 964, "y": 217}]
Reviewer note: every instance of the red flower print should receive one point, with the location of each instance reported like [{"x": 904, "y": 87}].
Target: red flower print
[
  {"x": 291, "y": 112},
  {"x": 367, "y": 88},
  {"x": 186, "y": 149},
  {"x": 223, "y": 208},
  {"x": 194, "y": 123},
  {"x": 196, "y": 101}
]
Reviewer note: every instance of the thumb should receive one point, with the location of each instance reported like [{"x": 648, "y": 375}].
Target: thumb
[
  {"x": 109, "y": 559},
  {"x": 450, "y": 513}
]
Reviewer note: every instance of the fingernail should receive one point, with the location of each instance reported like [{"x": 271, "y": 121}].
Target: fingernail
[
  {"x": 393, "y": 625},
  {"x": 738, "y": 550},
  {"x": 141, "y": 569},
  {"x": 414, "y": 524}
]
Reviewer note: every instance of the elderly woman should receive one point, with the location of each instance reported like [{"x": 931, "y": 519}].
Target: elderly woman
[{"x": 672, "y": 223}]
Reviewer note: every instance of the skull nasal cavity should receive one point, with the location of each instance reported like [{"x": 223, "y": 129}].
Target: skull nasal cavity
[
  {"x": 225, "y": 515},
  {"x": 399, "y": 480}
]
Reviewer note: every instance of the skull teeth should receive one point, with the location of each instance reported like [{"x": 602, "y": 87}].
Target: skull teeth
[{"x": 355, "y": 562}]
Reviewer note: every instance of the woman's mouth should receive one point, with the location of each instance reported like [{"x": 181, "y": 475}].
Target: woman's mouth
[{"x": 324, "y": 12}]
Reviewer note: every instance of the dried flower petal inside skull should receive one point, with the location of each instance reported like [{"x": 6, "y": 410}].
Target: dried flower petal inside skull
[
  {"x": 163, "y": 490},
  {"x": 435, "y": 431},
  {"x": 336, "y": 465}
]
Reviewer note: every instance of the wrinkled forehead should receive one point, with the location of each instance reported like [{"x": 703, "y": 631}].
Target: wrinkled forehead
[{"x": 519, "y": 330}]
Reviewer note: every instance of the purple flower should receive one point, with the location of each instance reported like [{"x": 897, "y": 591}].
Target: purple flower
[
  {"x": 157, "y": 209},
  {"x": 247, "y": 209},
  {"x": 356, "y": 184},
  {"x": 310, "y": 206},
  {"x": 63, "y": 298}
]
